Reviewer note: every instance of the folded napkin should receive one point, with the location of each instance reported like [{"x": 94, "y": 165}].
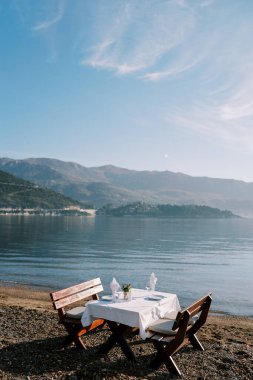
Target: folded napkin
[
  {"x": 115, "y": 286},
  {"x": 152, "y": 281}
]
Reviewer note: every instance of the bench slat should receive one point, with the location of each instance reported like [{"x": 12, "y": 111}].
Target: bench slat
[
  {"x": 197, "y": 306},
  {"x": 162, "y": 338},
  {"x": 77, "y": 297},
  {"x": 55, "y": 296}
]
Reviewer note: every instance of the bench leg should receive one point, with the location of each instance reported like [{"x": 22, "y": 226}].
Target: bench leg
[
  {"x": 158, "y": 360},
  {"x": 73, "y": 337},
  {"x": 164, "y": 356},
  {"x": 195, "y": 342},
  {"x": 171, "y": 366}
]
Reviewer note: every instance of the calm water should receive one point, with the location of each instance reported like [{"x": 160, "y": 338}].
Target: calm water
[{"x": 189, "y": 257}]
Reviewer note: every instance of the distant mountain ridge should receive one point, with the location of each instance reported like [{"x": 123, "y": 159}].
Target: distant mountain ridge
[
  {"x": 118, "y": 186},
  {"x": 18, "y": 193}
]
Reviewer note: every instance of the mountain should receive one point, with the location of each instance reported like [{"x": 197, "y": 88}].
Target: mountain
[
  {"x": 171, "y": 211},
  {"x": 18, "y": 193},
  {"x": 111, "y": 184}
]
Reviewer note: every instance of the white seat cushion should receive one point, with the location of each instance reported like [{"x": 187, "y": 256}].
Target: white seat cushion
[
  {"x": 163, "y": 326},
  {"x": 170, "y": 315},
  {"x": 193, "y": 319},
  {"x": 76, "y": 312},
  {"x": 173, "y": 314}
]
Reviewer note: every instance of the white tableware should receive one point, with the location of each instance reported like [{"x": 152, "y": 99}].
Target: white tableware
[
  {"x": 152, "y": 281},
  {"x": 106, "y": 298},
  {"x": 119, "y": 296},
  {"x": 154, "y": 297},
  {"x": 91, "y": 301}
]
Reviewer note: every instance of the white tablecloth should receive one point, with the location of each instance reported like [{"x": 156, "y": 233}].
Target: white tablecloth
[{"x": 139, "y": 312}]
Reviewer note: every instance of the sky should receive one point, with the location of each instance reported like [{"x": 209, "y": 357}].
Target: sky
[{"x": 140, "y": 84}]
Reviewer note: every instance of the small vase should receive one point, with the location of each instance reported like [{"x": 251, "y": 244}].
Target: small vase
[{"x": 127, "y": 296}]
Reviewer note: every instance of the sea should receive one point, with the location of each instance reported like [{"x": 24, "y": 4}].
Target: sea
[{"x": 189, "y": 257}]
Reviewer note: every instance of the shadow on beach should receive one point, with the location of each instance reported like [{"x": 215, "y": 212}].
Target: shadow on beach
[
  {"x": 31, "y": 349},
  {"x": 47, "y": 358}
]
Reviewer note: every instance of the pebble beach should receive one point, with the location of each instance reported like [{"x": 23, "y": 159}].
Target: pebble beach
[{"x": 31, "y": 347}]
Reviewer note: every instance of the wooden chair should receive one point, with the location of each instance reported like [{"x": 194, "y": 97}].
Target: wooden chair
[
  {"x": 71, "y": 318},
  {"x": 169, "y": 335}
]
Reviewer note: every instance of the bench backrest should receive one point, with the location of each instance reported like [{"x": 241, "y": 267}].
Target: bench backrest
[
  {"x": 200, "y": 307},
  {"x": 68, "y": 296}
]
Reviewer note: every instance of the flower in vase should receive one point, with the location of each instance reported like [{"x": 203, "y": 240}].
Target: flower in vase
[{"x": 126, "y": 288}]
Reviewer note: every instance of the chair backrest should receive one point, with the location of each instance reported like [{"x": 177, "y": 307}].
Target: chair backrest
[
  {"x": 76, "y": 293},
  {"x": 201, "y": 307}
]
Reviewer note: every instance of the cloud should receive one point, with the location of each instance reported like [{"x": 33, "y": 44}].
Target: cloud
[
  {"x": 54, "y": 17},
  {"x": 134, "y": 37},
  {"x": 152, "y": 39},
  {"x": 204, "y": 46},
  {"x": 240, "y": 104},
  {"x": 172, "y": 71},
  {"x": 219, "y": 104},
  {"x": 227, "y": 122},
  {"x": 100, "y": 59}
]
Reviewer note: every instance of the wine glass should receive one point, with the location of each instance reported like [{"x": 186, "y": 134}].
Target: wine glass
[{"x": 148, "y": 288}]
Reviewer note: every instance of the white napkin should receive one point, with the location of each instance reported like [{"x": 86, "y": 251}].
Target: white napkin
[
  {"x": 114, "y": 285},
  {"x": 152, "y": 281}
]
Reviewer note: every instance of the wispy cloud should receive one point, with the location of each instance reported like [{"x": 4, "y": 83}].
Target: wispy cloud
[
  {"x": 172, "y": 71},
  {"x": 53, "y": 17},
  {"x": 227, "y": 121},
  {"x": 240, "y": 104},
  {"x": 219, "y": 104},
  {"x": 138, "y": 36},
  {"x": 153, "y": 39},
  {"x": 204, "y": 43}
]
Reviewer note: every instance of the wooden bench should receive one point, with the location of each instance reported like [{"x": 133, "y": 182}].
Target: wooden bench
[
  {"x": 71, "y": 318},
  {"x": 170, "y": 335}
]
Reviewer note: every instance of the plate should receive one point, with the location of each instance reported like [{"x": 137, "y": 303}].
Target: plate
[
  {"x": 155, "y": 298},
  {"x": 106, "y": 298}
]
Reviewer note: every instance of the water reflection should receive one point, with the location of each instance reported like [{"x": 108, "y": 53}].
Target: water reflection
[{"x": 189, "y": 257}]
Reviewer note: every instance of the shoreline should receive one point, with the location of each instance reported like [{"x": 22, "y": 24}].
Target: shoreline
[
  {"x": 31, "y": 346},
  {"x": 25, "y": 296},
  {"x": 34, "y": 297},
  {"x": 40, "y": 292}
]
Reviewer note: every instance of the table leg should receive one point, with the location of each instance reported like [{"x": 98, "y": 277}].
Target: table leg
[{"x": 117, "y": 336}]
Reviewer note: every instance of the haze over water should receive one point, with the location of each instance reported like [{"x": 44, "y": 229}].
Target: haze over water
[{"x": 189, "y": 256}]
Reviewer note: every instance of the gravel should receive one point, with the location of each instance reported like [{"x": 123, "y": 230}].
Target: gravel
[{"x": 31, "y": 348}]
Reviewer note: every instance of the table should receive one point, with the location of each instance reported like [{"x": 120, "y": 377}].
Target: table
[{"x": 124, "y": 316}]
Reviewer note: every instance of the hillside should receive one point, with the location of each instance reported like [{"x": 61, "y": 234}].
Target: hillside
[
  {"x": 110, "y": 184},
  {"x": 18, "y": 193},
  {"x": 144, "y": 209}
]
